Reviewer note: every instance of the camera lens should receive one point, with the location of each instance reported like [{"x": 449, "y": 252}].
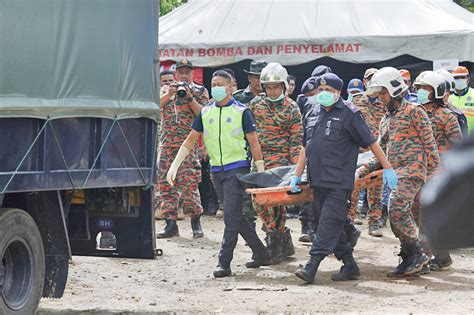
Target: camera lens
[{"x": 181, "y": 92}]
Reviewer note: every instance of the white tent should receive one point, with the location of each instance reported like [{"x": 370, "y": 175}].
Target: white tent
[{"x": 218, "y": 32}]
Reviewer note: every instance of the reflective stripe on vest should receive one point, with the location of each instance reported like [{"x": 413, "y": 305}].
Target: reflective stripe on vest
[
  {"x": 465, "y": 104},
  {"x": 224, "y": 136}
]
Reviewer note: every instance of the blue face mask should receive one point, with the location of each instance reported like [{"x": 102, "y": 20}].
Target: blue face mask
[
  {"x": 313, "y": 99},
  {"x": 326, "y": 98},
  {"x": 279, "y": 98},
  {"x": 423, "y": 96},
  {"x": 218, "y": 93}
]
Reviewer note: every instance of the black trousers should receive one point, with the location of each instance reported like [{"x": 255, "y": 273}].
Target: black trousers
[
  {"x": 231, "y": 191},
  {"x": 330, "y": 234}
]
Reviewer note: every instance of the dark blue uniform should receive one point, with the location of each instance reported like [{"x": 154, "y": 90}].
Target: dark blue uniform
[{"x": 332, "y": 140}]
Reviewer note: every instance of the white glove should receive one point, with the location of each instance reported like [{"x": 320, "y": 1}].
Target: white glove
[
  {"x": 182, "y": 154},
  {"x": 260, "y": 165}
]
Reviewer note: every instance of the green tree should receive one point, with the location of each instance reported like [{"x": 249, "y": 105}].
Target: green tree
[
  {"x": 467, "y": 4},
  {"x": 166, "y": 6}
]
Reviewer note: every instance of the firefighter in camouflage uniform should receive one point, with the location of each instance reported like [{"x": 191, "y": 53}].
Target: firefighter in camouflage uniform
[
  {"x": 407, "y": 139},
  {"x": 374, "y": 112},
  {"x": 280, "y": 134},
  {"x": 178, "y": 111},
  {"x": 431, "y": 88}
]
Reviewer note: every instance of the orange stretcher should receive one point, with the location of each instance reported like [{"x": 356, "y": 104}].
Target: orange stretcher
[{"x": 283, "y": 196}]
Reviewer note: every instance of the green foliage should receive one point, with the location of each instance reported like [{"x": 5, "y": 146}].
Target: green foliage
[
  {"x": 166, "y": 6},
  {"x": 467, "y": 4}
]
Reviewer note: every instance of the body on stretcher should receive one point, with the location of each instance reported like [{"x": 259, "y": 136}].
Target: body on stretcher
[{"x": 283, "y": 196}]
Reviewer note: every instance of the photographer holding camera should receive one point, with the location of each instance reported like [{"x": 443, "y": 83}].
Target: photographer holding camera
[{"x": 180, "y": 102}]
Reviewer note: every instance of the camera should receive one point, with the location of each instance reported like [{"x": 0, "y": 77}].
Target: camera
[{"x": 181, "y": 92}]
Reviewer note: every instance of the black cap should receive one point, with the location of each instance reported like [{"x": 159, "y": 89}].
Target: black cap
[
  {"x": 309, "y": 85},
  {"x": 320, "y": 70},
  {"x": 330, "y": 79},
  {"x": 184, "y": 63},
  {"x": 256, "y": 67}
]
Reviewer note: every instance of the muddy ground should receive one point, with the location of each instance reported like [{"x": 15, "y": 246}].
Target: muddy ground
[{"x": 181, "y": 281}]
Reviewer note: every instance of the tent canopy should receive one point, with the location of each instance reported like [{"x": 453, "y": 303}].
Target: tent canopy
[{"x": 219, "y": 32}]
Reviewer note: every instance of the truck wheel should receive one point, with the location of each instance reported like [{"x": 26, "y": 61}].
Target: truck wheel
[{"x": 21, "y": 263}]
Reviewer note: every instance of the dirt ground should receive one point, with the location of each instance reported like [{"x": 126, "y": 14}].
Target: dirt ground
[{"x": 181, "y": 281}]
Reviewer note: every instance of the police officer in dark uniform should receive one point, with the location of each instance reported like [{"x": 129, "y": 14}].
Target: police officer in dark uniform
[
  {"x": 334, "y": 131},
  {"x": 254, "y": 88},
  {"x": 306, "y": 101},
  {"x": 301, "y": 100}
]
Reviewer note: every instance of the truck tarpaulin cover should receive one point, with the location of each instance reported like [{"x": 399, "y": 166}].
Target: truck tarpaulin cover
[
  {"x": 447, "y": 213},
  {"x": 64, "y": 59}
]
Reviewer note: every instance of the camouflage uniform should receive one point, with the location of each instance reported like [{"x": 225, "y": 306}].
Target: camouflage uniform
[
  {"x": 280, "y": 134},
  {"x": 373, "y": 115},
  {"x": 243, "y": 96},
  {"x": 446, "y": 132},
  {"x": 407, "y": 139},
  {"x": 176, "y": 121}
]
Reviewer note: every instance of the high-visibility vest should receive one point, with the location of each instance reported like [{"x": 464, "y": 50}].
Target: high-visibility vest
[
  {"x": 223, "y": 133},
  {"x": 465, "y": 103}
]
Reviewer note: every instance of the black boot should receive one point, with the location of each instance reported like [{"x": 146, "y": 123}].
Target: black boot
[
  {"x": 222, "y": 271},
  {"x": 274, "y": 242},
  {"x": 349, "y": 271},
  {"x": 441, "y": 262},
  {"x": 308, "y": 272},
  {"x": 306, "y": 232},
  {"x": 196, "y": 226},
  {"x": 400, "y": 269},
  {"x": 416, "y": 259},
  {"x": 259, "y": 260},
  {"x": 171, "y": 229},
  {"x": 383, "y": 219}
]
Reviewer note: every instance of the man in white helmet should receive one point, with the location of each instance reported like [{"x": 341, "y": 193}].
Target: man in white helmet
[
  {"x": 280, "y": 133},
  {"x": 431, "y": 88},
  {"x": 407, "y": 139}
]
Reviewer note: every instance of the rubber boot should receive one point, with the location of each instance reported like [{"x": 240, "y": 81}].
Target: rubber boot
[
  {"x": 171, "y": 229},
  {"x": 309, "y": 270},
  {"x": 416, "y": 259},
  {"x": 257, "y": 262},
  {"x": 399, "y": 271},
  {"x": 274, "y": 242},
  {"x": 349, "y": 271},
  {"x": 288, "y": 247},
  {"x": 196, "y": 226},
  {"x": 306, "y": 232},
  {"x": 383, "y": 219}
]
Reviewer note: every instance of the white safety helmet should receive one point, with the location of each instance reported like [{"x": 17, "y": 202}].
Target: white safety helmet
[
  {"x": 447, "y": 77},
  {"x": 274, "y": 73},
  {"x": 389, "y": 78},
  {"x": 433, "y": 79}
]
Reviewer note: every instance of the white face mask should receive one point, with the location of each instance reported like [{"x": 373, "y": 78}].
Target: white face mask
[
  {"x": 460, "y": 84},
  {"x": 313, "y": 99}
]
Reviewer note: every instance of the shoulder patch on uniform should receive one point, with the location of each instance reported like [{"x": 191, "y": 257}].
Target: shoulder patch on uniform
[
  {"x": 237, "y": 92},
  {"x": 352, "y": 107}
]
